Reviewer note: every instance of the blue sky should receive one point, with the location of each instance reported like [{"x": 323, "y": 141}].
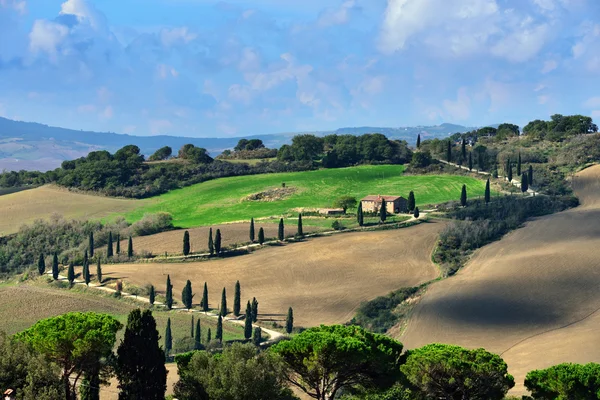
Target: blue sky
[{"x": 210, "y": 68}]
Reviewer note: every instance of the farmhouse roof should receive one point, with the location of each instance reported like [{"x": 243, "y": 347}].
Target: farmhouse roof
[{"x": 373, "y": 197}]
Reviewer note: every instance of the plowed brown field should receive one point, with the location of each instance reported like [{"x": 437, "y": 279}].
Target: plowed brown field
[
  {"x": 323, "y": 279},
  {"x": 531, "y": 297}
]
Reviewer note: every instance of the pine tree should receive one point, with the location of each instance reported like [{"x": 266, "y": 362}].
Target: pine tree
[
  {"x": 118, "y": 243},
  {"x": 152, "y": 295},
  {"x": 211, "y": 245},
  {"x": 169, "y": 293},
  {"x": 218, "y": 242},
  {"x": 208, "y": 336},
  {"x": 383, "y": 211},
  {"x": 359, "y": 215},
  {"x": 463, "y": 196},
  {"x": 281, "y": 232},
  {"x": 192, "y": 328},
  {"x": 411, "y": 201},
  {"x": 109, "y": 249},
  {"x": 140, "y": 364},
  {"x": 130, "y": 247},
  {"x": 261, "y": 236},
  {"x": 223, "y": 310},
  {"x": 219, "y": 334},
  {"x": 251, "y": 230},
  {"x": 487, "y": 191},
  {"x": 186, "y": 243},
  {"x": 98, "y": 271},
  {"x": 418, "y": 140},
  {"x": 449, "y": 152},
  {"x": 55, "y": 266},
  {"x": 470, "y": 161},
  {"x": 524, "y": 183},
  {"x": 187, "y": 295},
  {"x": 530, "y": 176},
  {"x": 463, "y": 149},
  {"x": 257, "y": 336},
  {"x": 237, "y": 299},
  {"x": 71, "y": 274},
  {"x": 416, "y": 213},
  {"x": 289, "y": 321},
  {"x": 300, "y": 231},
  {"x": 254, "y": 309},
  {"x": 197, "y": 335},
  {"x": 91, "y": 244},
  {"x": 41, "y": 264},
  {"x": 205, "y": 298},
  {"x": 519, "y": 165},
  {"x": 168, "y": 338},
  {"x": 248, "y": 321}
]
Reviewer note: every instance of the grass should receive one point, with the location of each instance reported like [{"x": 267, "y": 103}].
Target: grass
[{"x": 221, "y": 200}]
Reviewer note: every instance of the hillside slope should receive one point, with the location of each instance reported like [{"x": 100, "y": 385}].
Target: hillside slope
[{"x": 516, "y": 295}]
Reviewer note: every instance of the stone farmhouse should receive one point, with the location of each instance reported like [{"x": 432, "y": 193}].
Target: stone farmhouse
[{"x": 393, "y": 204}]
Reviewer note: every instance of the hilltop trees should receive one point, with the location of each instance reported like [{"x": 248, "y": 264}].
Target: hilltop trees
[
  {"x": 140, "y": 362},
  {"x": 463, "y": 196},
  {"x": 169, "y": 294},
  {"x": 168, "y": 338},
  {"x": 223, "y": 309},
  {"x": 248, "y": 321},
  {"x": 280, "y": 231},
  {"x": 218, "y": 241},
  {"x": 411, "y": 201},
  {"x": 205, "y": 298},
  {"x": 251, "y": 230},
  {"x": 186, "y": 243},
  {"x": 55, "y": 266},
  {"x": 211, "y": 245},
  {"x": 237, "y": 299},
  {"x": 109, "y": 248},
  {"x": 359, "y": 215},
  {"x": 161, "y": 154},
  {"x": 261, "y": 236},
  {"x": 187, "y": 295},
  {"x": 487, "y": 191},
  {"x": 383, "y": 211},
  {"x": 289, "y": 321},
  {"x": 41, "y": 264}
]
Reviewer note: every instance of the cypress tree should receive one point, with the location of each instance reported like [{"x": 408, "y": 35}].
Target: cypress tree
[
  {"x": 524, "y": 183},
  {"x": 254, "y": 309},
  {"x": 411, "y": 201},
  {"x": 251, "y": 230},
  {"x": 449, "y": 152},
  {"x": 168, "y": 338},
  {"x": 509, "y": 174},
  {"x": 300, "y": 231},
  {"x": 463, "y": 149},
  {"x": 198, "y": 335},
  {"x": 530, "y": 176},
  {"x": 487, "y": 191},
  {"x": 418, "y": 140},
  {"x": 218, "y": 241},
  {"x": 130, "y": 247},
  {"x": 281, "y": 232},
  {"x": 71, "y": 274},
  {"x": 140, "y": 365},
  {"x": 519, "y": 165},
  {"x": 463, "y": 196},
  {"x": 289, "y": 321},
  {"x": 109, "y": 249},
  {"x": 248, "y": 321},
  {"x": 383, "y": 211},
  {"x": 86, "y": 272},
  {"x": 211, "y": 245},
  {"x": 187, "y": 295},
  {"x": 219, "y": 334},
  {"x": 186, "y": 243},
  {"x": 152, "y": 295},
  {"x": 41, "y": 264},
  {"x": 169, "y": 293},
  {"x": 261, "y": 236},
  {"x": 91, "y": 244},
  {"x": 205, "y": 298},
  {"x": 236, "y": 299},
  {"x": 359, "y": 215},
  {"x": 85, "y": 258},
  {"x": 192, "y": 327},
  {"x": 55, "y": 266},
  {"x": 257, "y": 336},
  {"x": 208, "y": 336},
  {"x": 470, "y": 161},
  {"x": 118, "y": 243},
  {"x": 416, "y": 213},
  {"x": 223, "y": 310},
  {"x": 98, "y": 271}
]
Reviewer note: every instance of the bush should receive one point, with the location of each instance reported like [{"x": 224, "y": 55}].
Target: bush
[
  {"x": 337, "y": 225},
  {"x": 380, "y": 314},
  {"x": 152, "y": 223}
]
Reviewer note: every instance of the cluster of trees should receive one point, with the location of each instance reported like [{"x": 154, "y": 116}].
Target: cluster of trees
[
  {"x": 560, "y": 127},
  {"x": 247, "y": 150}
]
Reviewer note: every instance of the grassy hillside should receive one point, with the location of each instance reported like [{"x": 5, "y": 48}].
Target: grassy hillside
[{"x": 222, "y": 200}]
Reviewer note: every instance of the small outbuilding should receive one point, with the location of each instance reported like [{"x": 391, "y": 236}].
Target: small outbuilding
[{"x": 393, "y": 204}]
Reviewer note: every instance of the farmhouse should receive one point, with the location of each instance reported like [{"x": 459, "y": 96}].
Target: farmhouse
[{"x": 393, "y": 204}]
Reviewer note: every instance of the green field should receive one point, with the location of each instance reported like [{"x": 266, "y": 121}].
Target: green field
[{"x": 221, "y": 200}]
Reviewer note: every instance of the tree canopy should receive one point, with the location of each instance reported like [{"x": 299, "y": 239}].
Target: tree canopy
[{"x": 564, "y": 382}]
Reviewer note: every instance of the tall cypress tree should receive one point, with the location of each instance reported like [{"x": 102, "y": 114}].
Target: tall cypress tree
[
  {"x": 168, "y": 338},
  {"x": 359, "y": 215},
  {"x": 140, "y": 365},
  {"x": 237, "y": 299},
  {"x": 281, "y": 232},
  {"x": 411, "y": 201},
  {"x": 130, "y": 247},
  {"x": 187, "y": 295},
  {"x": 289, "y": 321},
  {"x": 223, "y": 310},
  {"x": 300, "y": 230},
  {"x": 208, "y": 336},
  {"x": 530, "y": 176},
  {"x": 418, "y": 140},
  {"x": 218, "y": 242},
  {"x": 463, "y": 149},
  {"x": 251, "y": 230},
  {"x": 248, "y": 321},
  {"x": 211, "y": 245},
  {"x": 524, "y": 183},
  {"x": 186, "y": 243},
  {"x": 91, "y": 244},
  {"x": 257, "y": 336},
  {"x": 254, "y": 309},
  {"x": 192, "y": 327},
  {"x": 197, "y": 335},
  {"x": 463, "y": 196},
  {"x": 508, "y": 169},
  {"x": 261, "y": 236},
  {"x": 55, "y": 266},
  {"x": 98, "y": 271},
  {"x": 118, "y": 243},
  {"x": 205, "y": 298},
  {"x": 41, "y": 264},
  {"x": 71, "y": 274},
  {"x": 169, "y": 293},
  {"x": 470, "y": 161},
  {"x": 487, "y": 191},
  {"x": 152, "y": 295},
  {"x": 109, "y": 248},
  {"x": 449, "y": 152},
  {"x": 383, "y": 211},
  {"x": 86, "y": 272},
  {"x": 219, "y": 334},
  {"x": 519, "y": 165}
]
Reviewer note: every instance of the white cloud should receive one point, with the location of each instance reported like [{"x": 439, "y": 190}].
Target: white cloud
[
  {"x": 240, "y": 93},
  {"x": 46, "y": 36},
  {"x": 336, "y": 16},
  {"x": 549, "y": 66},
  {"x": 19, "y": 6},
  {"x": 543, "y": 99},
  {"x": 164, "y": 71},
  {"x": 176, "y": 36},
  {"x": 249, "y": 60},
  {"x": 459, "y": 109},
  {"x": 85, "y": 13},
  {"x": 107, "y": 113},
  {"x": 592, "y": 102},
  {"x": 522, "y": 45}
]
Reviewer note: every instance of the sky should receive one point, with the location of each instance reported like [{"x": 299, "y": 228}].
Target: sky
[{"x": 207, "y": 68}]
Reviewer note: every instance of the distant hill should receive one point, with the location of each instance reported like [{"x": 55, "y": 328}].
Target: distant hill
[{"x": 33, "y": 146}]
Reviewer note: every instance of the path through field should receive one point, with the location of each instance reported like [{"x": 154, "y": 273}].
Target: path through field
[{"x": 531, "y": 296}]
